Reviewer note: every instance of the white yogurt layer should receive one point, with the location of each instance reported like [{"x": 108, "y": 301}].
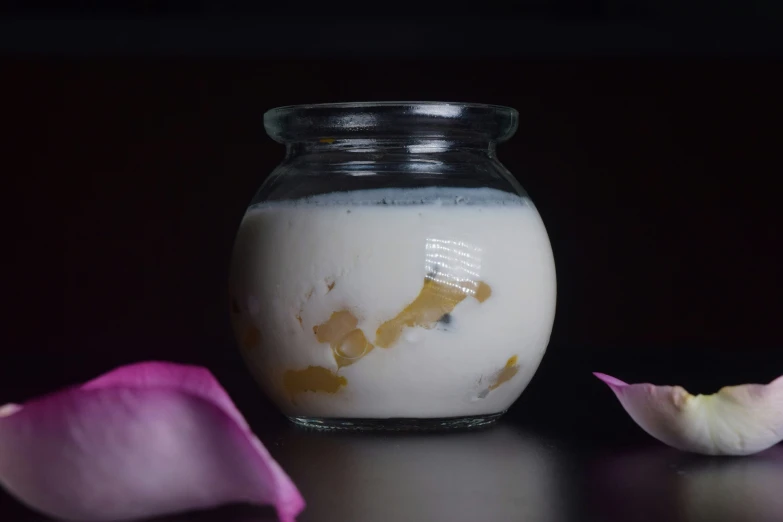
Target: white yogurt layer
[{"x": 441, "y": 301}]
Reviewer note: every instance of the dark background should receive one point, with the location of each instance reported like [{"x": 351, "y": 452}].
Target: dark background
[{"x": 649, "y": 138}]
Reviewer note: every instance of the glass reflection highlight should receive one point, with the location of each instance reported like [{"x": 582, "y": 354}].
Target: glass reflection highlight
[
  {"x": 442, "y": 110},
  {"x": 453, "y": 263}
]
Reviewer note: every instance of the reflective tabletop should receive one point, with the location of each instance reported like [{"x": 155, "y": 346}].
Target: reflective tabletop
[{"x": 503, "y": 473}]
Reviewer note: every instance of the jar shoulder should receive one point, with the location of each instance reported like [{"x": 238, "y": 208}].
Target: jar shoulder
[{"x": 305, "y": 176}]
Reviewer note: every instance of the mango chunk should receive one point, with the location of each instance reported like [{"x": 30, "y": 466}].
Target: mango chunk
[
  {"x": 351, "y": 348},
  {"x": 337, "y": 327},
  {"x": 435, "y": 300},
  {"x": 506, "y": 373},
  {"x": 312, "y": 379},
  {"x": 348, "y": 343}
]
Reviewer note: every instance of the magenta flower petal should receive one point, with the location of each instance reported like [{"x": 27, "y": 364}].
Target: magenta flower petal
[
  {"x": 738, "y": 420},
  {"x": 195, "y": 380},
  {"x": 144, "y": 440}
]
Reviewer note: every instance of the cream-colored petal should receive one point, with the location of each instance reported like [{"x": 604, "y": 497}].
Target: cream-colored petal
[{"x": 738, "y": 420}]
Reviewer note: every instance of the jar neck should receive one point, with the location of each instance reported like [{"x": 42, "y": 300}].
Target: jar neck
[{"x": 391, "y": 146}]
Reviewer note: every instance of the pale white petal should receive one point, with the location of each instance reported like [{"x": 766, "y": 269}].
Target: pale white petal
[{"x": 738, "y": 420}]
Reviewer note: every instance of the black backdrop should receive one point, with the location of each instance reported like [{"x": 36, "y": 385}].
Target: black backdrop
[{"x": 656, "y": 173}]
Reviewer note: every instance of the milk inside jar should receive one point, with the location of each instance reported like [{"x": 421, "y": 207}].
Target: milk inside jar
[{"x": 408, "y": 303}]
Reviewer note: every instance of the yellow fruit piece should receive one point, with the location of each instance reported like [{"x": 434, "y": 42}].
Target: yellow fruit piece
[
  {"x": 435, "y": 300},
  {"x": 337, "y": 327},
  {"x": 506, "y": 373},
  {"x": 349, "y": 344},
  {"x": 483, "y": 292},
  {"x": 312, "y": 379},
  {"x": 351, "y": 348}
]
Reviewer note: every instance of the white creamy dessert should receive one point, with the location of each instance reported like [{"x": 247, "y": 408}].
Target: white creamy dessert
[{"x": 422, "y": 303}]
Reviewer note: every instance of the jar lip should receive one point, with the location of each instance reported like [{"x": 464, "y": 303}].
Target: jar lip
[
  {"x": 391, "y": 119},
  {"x": 400, "y": 104}
]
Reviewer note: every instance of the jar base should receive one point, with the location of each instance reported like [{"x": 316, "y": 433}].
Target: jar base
[{"x": 398, "y": 424}]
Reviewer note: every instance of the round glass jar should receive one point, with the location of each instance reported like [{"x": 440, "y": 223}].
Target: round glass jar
[{"x": 391, "y": 273}]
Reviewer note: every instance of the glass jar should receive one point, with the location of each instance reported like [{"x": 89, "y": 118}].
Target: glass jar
[{"x": 391, "y": 273}]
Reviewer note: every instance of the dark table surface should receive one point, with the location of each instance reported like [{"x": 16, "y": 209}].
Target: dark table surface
[
  {"x": 504, "y": 473},
  {"x": 658, "y": 183}
]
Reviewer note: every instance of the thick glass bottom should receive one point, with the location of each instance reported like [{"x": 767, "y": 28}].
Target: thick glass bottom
[{"x": 398, "y": 424}]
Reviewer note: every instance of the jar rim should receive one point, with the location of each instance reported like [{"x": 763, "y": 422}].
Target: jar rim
[
  {"x": 391, "y": 119},
  {"x": 388, "y": 103}
]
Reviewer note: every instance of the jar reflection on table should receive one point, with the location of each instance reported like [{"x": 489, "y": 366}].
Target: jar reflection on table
[
  {"x": 498, "y": 475},
  {"x": 392, "y": 277}
]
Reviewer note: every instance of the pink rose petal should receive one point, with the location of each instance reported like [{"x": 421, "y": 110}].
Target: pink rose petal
[
  {"x": 144, "y": 440},
  {"x": 738, "y": 420},
  {"x": 189, "y": 379}
]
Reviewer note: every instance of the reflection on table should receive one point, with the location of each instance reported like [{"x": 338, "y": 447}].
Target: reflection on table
[{"x": 499, "y": 474}]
